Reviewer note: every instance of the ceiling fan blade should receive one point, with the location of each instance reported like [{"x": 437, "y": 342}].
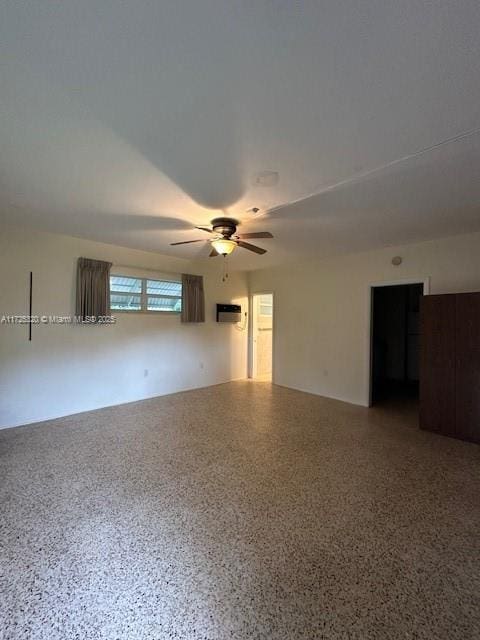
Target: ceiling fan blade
[
  {"x": 213, "y": 253},
  {"x": 251, "y": 247},
  {"x": 256, "y": 234},
  {"x": 172, "y": 244},
  {"x": 205, "y": 229}
]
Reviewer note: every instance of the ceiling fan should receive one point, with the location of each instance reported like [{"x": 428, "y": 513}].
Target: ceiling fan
[{"x": 227, "y": 239}]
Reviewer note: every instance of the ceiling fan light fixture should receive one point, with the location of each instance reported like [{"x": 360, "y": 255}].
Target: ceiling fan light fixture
[{"x": 223, "y": 246}]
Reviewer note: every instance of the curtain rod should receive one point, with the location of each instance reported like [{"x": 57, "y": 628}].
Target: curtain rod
[
  {"x": 173, "y": 273},
  {"x": 126, "y": 266}
]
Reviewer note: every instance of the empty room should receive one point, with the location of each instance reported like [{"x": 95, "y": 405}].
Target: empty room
[{"x": 239, "y": 320}]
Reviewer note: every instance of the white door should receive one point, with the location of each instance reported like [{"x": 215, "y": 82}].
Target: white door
[{"x": 262, "y": 327}]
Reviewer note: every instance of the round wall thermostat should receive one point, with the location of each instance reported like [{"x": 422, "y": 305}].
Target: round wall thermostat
[{"x": 396, "y": 261}]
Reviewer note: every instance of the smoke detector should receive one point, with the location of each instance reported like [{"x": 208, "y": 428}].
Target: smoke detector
[{"x": 254, "y": 212}]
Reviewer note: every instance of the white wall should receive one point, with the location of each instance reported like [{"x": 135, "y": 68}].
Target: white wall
[
  {"x": 68, "y": 369},
  {"x": 322, "y": 309}
]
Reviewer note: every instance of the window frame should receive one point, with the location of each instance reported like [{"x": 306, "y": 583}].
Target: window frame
[{"x": 144, "y": 295}]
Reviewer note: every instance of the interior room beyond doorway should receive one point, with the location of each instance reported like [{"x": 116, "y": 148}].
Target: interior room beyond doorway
[
  {"x": 395, "y": 345},
  {"x": 262, "y": 328}
]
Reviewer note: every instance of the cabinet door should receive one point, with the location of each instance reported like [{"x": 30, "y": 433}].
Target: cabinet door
[
  {"x": 437, "y": 364},
  {"x": 467, "y": 389}
]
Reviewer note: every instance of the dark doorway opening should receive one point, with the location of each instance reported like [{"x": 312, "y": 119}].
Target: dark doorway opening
[{"x": 395, "y": 344}]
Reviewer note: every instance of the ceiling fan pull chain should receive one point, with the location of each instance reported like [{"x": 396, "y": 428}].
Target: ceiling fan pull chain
[{"x": 225, "y": 268}]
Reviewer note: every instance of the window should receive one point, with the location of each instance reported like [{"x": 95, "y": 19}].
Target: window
[
  {"x": 266, "y": 305},
  {"x": 143, "y": 294}
]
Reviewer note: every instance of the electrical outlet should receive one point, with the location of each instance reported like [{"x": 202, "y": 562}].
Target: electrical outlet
[
  {"x": 145, "y": 373},
  {"x": 202, "y": 366}
]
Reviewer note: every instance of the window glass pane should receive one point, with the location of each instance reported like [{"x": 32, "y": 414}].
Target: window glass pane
[
  {"x": 265, "y": 307},
  {"x": 124, "y": 284},
  {"x": 164, "y": 288},
  {"x": 124, "y": 302},
  {"x": 164, "y": 304}
]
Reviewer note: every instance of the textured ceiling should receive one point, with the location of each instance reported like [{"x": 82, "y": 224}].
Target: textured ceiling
[{"x": 130, "y": 122}]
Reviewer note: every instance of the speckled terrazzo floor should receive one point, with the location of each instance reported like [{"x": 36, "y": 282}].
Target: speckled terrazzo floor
[{"x": 239, "y": 511}]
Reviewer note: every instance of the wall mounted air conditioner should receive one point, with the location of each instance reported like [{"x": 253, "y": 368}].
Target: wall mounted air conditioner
[{"x": 229, "y": 313}]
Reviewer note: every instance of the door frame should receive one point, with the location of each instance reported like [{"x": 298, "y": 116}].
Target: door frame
[
  {"x": 369, "y": 350},
  {"x": 251, "y": 350}
]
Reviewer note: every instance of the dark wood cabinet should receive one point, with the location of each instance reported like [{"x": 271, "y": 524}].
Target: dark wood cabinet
[{"x": 450, "y": 365}]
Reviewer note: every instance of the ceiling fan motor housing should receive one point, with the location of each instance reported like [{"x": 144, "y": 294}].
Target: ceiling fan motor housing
[{"x": 225, "y": 226}]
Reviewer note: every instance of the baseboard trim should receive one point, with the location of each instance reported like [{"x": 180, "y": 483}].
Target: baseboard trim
[{"x": 320, "y": 395}]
